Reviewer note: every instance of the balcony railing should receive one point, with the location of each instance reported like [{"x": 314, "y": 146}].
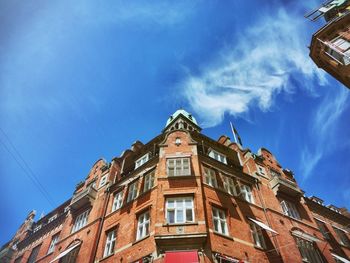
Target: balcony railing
[
  {"x": 335, "y": 53},
  {"x": 282, "y": 185},
  {"x": 84, "y": 197}
]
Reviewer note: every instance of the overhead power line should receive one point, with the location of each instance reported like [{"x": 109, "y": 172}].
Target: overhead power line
[{"x": 26, "y": 168}]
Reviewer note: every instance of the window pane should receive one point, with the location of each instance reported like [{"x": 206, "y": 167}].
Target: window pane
[
  {"x": 179, "y": 215},
  {"x": 171, "y": 216},
  {"x": 216, "y": 225},
  {"x": 188, "y": 202},
  {"x": 179, "y": 203},
  {"x": 223, "y": 227},
  {"x": 189, "y": 216},
  {"x": 170, "y": 203}
]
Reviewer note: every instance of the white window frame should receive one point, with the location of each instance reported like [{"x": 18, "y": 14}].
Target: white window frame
[
  {"x": 180, "y": 206},
  {"x": 37, "y": 228},
  {"x": 132, "y": 191},
  {"x": 210, "y": 177},
  {"x": 52, "y": 218},
  {"x": 179, "y": 166},
  {"x": 149, "y": 181},
  {"x": 261, "y": 170},
  {"x": 110, "y": 243},
  {"x": 217, "y": 156},
  {"x": 229, "y": 184},
  {"x": 290, "y": 209},
  {"x": 219, "y": 221},
  {"x": 141, "y": 161},
  {"x": 308, "y": 250},
  {"x": 80, "y": 221},
  {"x": 257, "y": 235},
  {"x": 103, "y": 180},
  {"x": 53, "y": 243},
  {"x": 247, "y": 193},
  {"x": 117, "y": 201},
  {"x": 143, "y": 224}
]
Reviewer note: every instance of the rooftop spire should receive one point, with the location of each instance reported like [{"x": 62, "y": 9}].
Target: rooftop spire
[{"x": 181, "y": 119}]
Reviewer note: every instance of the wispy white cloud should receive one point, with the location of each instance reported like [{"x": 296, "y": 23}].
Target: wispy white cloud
[
  {"x": 258, "y": 65},
  {"x": 322, "y": 130}
]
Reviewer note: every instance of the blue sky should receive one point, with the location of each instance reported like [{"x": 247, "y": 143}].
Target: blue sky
[{"x": 84, "y": 81}]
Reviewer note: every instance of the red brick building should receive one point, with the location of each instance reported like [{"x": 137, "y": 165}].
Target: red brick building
[
  {"x": 330, "y": 45},
  {"x": 184, "y": 197}
]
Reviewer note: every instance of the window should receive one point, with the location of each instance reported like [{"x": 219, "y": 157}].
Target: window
[
  {"x": 80, "y": 221},
  {"x": 132, "y": 193},
  {"x": 246, "y": 192},
  {"x": 53, "y": 243},
  {"x": 290, "y": 209},
  {"x": 178, "y": 141},
  {"x": 66, "y": 209},
  {"x": 210, "y": 177},
  {"x": 37, "y": 228},
  {"x": 18, "y": 260},
  {"x": 229, "y": 185},
  {"x": 143, "y": 226},
  {"x": 179, "y": 210},
  {"x": 343, "y": 239},
  {"x": 34, "y": 254},
  {"x": 144, "y": 159},
  {"x": 117, "y": 201},
  {"x": 52, "y": 218},
  {"x": 308, "y": 250},
  {"x": 71, "y": 256},
  {"x": 333, "y": 208},
  {"x": 103, "y": 180},
  {"x": 261, "y": 170},
  {"x": 339, "y": 49},
  {"x": 149, "y": 181},
  {"x": 323, "y": 229},
  {"x": 218, "y": 156},
  {"x": 257, "y": 233},
  {"x": 274, "y": 173},
  {"x": 178, "y": 166},
  {"x": 110, "y": 243},
  {"x": 219, "y": 219}
]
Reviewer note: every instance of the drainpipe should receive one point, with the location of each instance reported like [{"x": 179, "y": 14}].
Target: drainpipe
[
  {"x": 101, "y": 219},
  {"x": 262, "y": 201}
]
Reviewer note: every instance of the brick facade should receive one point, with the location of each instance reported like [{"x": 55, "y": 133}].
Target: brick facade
[
  {"x": 185, "y": 193},
  {"x": 330, "y": 45}
]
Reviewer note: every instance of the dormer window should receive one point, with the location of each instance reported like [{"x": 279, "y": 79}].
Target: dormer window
[
  {"x": 144, "y": 159},
  {"x": 333, "y": 208},
  {"x": 317, "y": 200},
  {"x": 37, "y": 228},
  {"x": 217, "y": 156},
  {"x": 52, "y": 218}
]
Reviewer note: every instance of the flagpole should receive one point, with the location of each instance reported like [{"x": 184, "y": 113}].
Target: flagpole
[{"x": 234, "y": 135}]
